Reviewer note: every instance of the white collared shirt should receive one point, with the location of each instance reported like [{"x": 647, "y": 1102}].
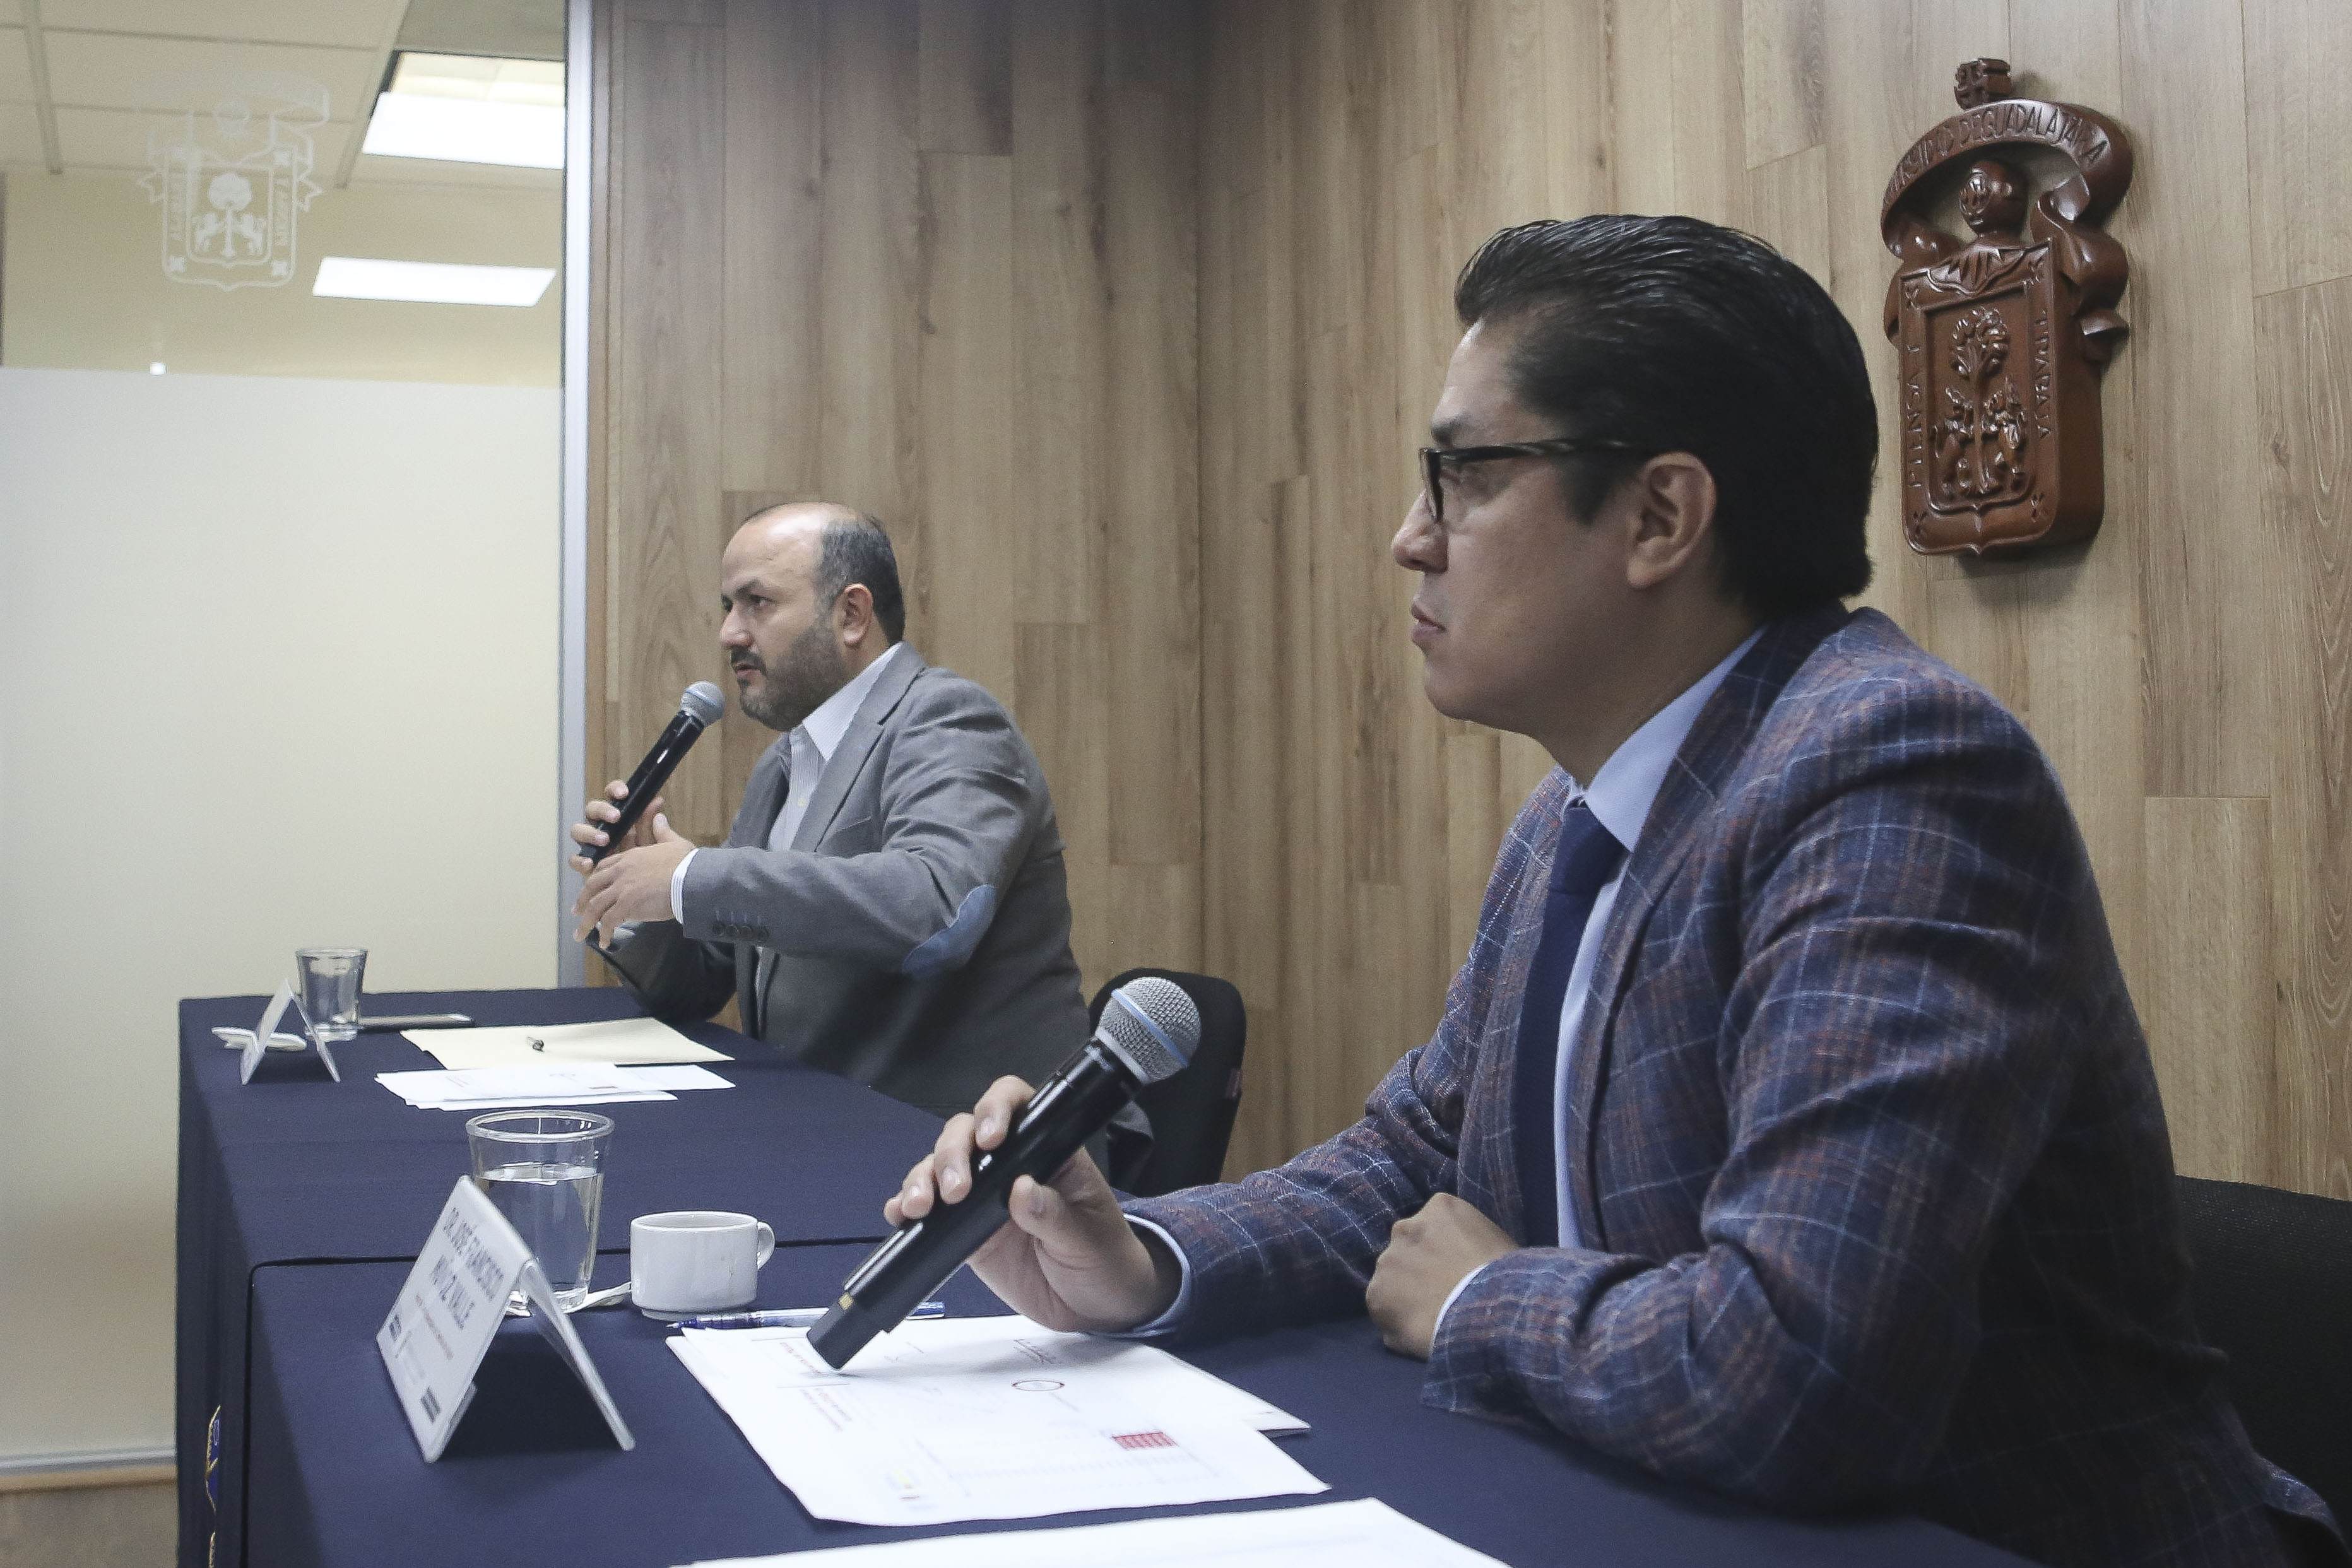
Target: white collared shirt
[{"x": 810, "y": 747}]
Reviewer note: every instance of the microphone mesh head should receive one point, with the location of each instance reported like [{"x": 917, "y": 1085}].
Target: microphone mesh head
[
  {"x": 703, "y": 701},
  {"x": 1154, "y": 1025}
]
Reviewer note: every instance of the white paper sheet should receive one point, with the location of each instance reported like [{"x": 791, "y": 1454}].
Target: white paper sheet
[
  {"x": 1149, "y": 1376},
  {"x": 632, "y": 1042},
  {"x": 1365, "y": 1534},
  {"x": 683, "y": 1077},
  {"x": 549, "y": 1083},
  {"x": 1008, "y": 1420}
]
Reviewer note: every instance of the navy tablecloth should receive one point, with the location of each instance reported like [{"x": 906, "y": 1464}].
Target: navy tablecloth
[
  {"x": 532, "y": 1476},
  {"x": 294, "y": 1166}
]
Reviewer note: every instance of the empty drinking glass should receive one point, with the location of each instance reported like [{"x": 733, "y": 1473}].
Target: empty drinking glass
[{"x": 331, "y": 989}]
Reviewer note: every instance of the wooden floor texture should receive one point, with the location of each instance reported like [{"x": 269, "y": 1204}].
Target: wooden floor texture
[{"x": 88, "y": 1527}]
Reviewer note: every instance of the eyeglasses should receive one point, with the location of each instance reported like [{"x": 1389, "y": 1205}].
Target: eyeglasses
[{"x": 1440, "y": 463}]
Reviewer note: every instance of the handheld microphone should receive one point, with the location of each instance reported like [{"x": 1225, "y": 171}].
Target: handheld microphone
[
  {"x": 698, "y": 709},
  {"x": 1149, "y": 1030}
]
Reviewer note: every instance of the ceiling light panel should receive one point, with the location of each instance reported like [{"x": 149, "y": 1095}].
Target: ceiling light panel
[
  {"x": 480, "y": 77},
  {"x": 470, "y": 109},
  {"x": 430, "y": 282},
  {"x": 466, "y": 131}
]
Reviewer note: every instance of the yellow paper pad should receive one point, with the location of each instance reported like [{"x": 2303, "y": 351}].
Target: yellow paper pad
[{"x": 624, "y": 1042}]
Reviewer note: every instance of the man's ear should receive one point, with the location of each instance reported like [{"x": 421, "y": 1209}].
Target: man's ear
[
  {"x": 852, "y": 615},
  {"x": 1673, "y": 518}
]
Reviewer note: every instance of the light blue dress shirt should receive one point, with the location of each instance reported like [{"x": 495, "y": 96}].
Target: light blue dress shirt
[{"x": 1619, "y": 796}]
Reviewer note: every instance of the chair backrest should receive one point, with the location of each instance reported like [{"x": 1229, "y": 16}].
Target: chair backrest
[
  {"x": 2272, "y": 1290},
  {"x": 1193, "y": 1113}
]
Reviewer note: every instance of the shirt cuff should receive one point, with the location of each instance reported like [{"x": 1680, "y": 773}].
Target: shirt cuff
[
  {"x": 678, "y": 887},
  {"x": 1177, "y": 1308},
  {"x": 1453, "y": 1295}
]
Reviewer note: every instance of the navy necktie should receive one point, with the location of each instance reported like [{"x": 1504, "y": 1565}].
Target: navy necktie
[{"x": 1587, "y": 858}]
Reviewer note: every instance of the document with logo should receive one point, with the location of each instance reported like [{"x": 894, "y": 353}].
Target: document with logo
[
  {"x": 994, "y": 1418},
  {"x": 1365, "y": 1534}
]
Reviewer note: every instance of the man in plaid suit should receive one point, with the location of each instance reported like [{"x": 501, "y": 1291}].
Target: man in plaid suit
[{"x": 1789, "y": 1129}]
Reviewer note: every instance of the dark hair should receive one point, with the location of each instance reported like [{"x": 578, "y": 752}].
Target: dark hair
[
  {"x": 1675, "y": 335},
  {"x": 856, "y": 549}
]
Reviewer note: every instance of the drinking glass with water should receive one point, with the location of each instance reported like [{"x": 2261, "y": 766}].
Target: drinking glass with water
[{"x": 544, "y": 1170}]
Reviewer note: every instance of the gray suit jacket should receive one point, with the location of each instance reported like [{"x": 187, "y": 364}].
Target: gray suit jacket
[{"x": 920, "y": 920}]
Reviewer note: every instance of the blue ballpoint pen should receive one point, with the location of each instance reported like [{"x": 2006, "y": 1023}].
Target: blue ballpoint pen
[{"x": 790, "y": 1317}]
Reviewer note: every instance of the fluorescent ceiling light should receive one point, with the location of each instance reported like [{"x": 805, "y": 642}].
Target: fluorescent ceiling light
[
  {"x": 430, "y": 282},
  {"x": 470, "y": 109},
  {"x": 485, "y": 77}
]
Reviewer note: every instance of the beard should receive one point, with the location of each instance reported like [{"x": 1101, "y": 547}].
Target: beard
[{"x": 798, "y": 681}]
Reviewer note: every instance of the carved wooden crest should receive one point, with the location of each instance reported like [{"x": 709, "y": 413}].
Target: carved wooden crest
[{"x": 2002, "y": 337}]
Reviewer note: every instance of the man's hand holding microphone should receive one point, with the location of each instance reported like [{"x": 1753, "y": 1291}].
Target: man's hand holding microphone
[
  {"x": 628, "y": 879},
  {"x": 1010, "y": 1189},
  {"x": 1068, "y": 1259},
  {"x": 627, "y": 848}
]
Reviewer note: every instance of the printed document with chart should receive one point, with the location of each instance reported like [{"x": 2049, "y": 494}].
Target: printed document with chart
[{"x": 989, "y": 1418}]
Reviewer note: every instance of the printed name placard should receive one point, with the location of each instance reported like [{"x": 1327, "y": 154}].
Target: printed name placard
[{"x": 441, "y": 1325}]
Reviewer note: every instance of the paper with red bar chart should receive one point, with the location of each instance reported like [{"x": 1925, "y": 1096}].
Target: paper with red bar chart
[{"x": 989, "y": 1418}]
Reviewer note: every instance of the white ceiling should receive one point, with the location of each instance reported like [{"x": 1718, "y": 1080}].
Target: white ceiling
[
  {"x": 80, "y": 79},
  {"x": 349, "y": 23}
]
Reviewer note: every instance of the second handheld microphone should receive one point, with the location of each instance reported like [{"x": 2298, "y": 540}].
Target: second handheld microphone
[
  {"x": 698, "y": 709},
  {"x": 1149, "y": 1030}
]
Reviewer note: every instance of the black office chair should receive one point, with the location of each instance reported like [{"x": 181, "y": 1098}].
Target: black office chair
[
  {"x": 1193, "y": 1113},
  {"x": 2272, "y": 1290}
]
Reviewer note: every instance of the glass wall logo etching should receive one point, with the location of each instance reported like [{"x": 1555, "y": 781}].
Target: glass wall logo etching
[
  {"x": 2001, "y": 336},
  {"x": 233, "y": 176}
]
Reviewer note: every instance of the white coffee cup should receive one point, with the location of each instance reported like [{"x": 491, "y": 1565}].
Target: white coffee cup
[{"x": 696, "y": 1260}]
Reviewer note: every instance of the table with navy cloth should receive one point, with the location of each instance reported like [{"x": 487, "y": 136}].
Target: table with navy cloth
[
  {"x": 296, "y": 1168},
  {"x": 329, "y": 1474}
]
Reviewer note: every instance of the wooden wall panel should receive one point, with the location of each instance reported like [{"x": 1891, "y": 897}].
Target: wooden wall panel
[
  {"x": 2206, "y": 580},
  {"x": 2298, "y": 98},
  {"x": 869, "y": 273},
  {"x": 865, "y": 250},
  {"x": 2305, "y": 358},
  {"x": 669, "y": 141},
  {"x": 2189, "y": 674},
  {"x": 1127, "y": 318},
  {"x": 1062, "y": 309},
  {"x": 1151, "y": 462},
  {"x": 2208, "y": 989},
  {"x": 773, "y": 339},
  {"x": 965, "y": 414}
]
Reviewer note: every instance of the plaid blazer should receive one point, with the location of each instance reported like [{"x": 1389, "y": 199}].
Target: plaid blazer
[{"x": 1866, "y": 1150}]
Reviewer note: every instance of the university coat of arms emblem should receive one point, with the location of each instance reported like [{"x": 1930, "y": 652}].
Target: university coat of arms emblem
[
  {"x": 2002, "y": 337},
  {"x": 232, "y": 179}
]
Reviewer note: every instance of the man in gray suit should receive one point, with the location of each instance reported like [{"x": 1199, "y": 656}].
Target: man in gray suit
[{"x": 890, "y": 904}]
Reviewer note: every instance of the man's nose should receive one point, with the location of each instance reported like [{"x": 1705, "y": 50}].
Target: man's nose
[
  {"x": 1418, "y": 546},
  {"x": 732, "y": 633}
]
